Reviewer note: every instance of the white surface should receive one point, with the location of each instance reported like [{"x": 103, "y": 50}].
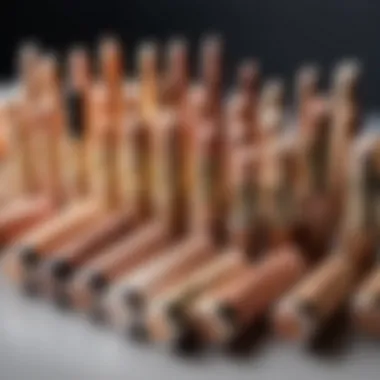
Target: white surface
[{"x": 39, "y": 342}]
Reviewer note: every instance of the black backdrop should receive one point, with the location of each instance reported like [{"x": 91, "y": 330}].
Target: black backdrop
[{"x": 282, "y": 33}]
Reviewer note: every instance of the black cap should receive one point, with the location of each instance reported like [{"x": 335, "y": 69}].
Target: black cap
[
  {"x": 61, "y": 270},
  {"x": 29, "y": 257},
  {"x": 134, "y": 299},
  {"x": 97, "y": 282}
]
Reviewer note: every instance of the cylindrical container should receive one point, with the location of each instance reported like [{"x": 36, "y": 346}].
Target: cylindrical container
[
  {"x": 168, "y": 312},
  {"x": 301, "y": 314},
  {"x": 365, "y": 305},
  {"x": 225, "y": 313}
]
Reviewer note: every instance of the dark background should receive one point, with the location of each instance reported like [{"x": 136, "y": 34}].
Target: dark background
[{"x": 281, "y": 33}]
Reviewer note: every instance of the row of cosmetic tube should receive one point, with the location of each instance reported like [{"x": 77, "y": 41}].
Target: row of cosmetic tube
[{"x": 174, "y": 213}]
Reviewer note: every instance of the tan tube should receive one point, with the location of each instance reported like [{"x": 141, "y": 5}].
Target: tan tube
[
  {"x": 235, "y": 305},
  {"x": 345, "y": 124},
  {"x": 301, "y": 314},
  {"x": 365, "y": 305},
  {"x": 165, "y": 314}
]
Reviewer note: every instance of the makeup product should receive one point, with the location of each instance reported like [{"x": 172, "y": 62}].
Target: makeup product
[
  {"x": 27, "y": 116},
  {"x": 114, "y": 223},
  {"x": 365, "y": 305},
  {"x": 245, "y": 229},
  {"x": 160, "y": 225},
  {"x": 346, "y": 121},
  {"x": 61, "y": 226},
  {"x": 233, "y": 306},
  {"x": 77, "y": 115},
  {"x": 164, "y": 318},
  {"x": 306, "y": 309},
  {"x": 303, "y": 312},
  {"x": 241, "y": 114},
  {"x": 130, "y": 299}
]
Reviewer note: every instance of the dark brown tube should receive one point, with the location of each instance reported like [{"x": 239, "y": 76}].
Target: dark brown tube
[
  {"x": 77, "y": 109},
  {"x": 237, "y": 304},
  {"x": 366, "y": 304}
]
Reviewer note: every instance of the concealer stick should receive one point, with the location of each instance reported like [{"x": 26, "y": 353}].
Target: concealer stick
[
  {"x": 279, "y": 157},
  {"x": 164, "y": 317},
  {"x": 77, "y": 115},
  {"x": 72, "y": 218},
  {"x": 225, "y": 313},
  {"x": 175, "y": 81},
  {"x": 50, "y": 134},
  {"x": 117, "y": 218},
  {"x": 307, "y": 84},
  {"x": 116, "y": 263},
  {"x": 241, "y": 114},
  {"x": 130, "y": 299},
  {"x": 196, "y": 244},
  {"x": 361, "y": 220},
  {"x": 244, "y": 219},
  {"x": 15, "y": 107},
  {"x": 318, "y": 212},
  {"x": 270, "y": 123},
  {"x": 271, "y": 110},
  {"x": 33, "y": 204},
  {"x": 211, "y": 76},
  {"x": 159, "y": 228},
  {"x": 346, "y": 121},
  {"x": 365, "y": 306},
  {"x": 307, "y": 111},
  {"x": 149, "y": 88},
  {"x": 303, "y": 312},
  {"x": 6, "y": 192},
  {"x": 28, "y": 60},
  {"x": 138, "y": 145}
]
